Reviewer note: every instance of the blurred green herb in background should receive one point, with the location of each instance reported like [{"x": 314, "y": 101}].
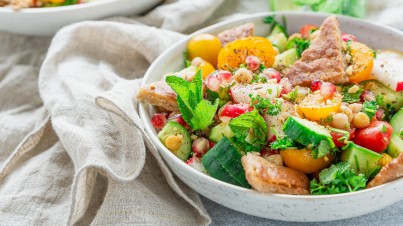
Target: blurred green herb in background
[{"x": 355, "y": 8}]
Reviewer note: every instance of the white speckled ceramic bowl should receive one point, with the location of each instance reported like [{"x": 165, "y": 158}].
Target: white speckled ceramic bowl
[
  {"x": 47, "y": 21},
  {"x": 276, "y": 206}
]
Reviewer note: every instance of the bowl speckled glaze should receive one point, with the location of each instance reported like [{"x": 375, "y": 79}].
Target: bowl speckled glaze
[{"x": 277, "y": 206}]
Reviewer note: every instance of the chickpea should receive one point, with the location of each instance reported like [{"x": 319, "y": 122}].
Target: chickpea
[
  {"x": 346, "y": 110},
  {"x": 276, "y": 159},
  {"x": 174, "y": 142},
  {"x": 197, "y": 61},
  {"x": 355, "y": 107},
  {"x": 361, "y": 120},
  {"x": 243, "y": 75},
  {"x": 340, "y": 121}
]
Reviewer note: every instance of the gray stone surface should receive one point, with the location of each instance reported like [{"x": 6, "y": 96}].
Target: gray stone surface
[{"x": 389, "y": 216}]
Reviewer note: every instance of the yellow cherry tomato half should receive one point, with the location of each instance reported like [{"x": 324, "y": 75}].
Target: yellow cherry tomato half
[
  {"x": 205, "y": 46},
  {"x": 362, "y": 61},
  {"x": 303, "y": 161},
  {"x": 314, "y": 110},
  {"x": 234, "y": 53},
  {"x": 206, "y": 68}
]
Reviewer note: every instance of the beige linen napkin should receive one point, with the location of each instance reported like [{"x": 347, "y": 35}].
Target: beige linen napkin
[{"x": 84, "y": 157}]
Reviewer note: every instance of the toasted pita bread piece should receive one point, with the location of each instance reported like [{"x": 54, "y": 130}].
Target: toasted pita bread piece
[
  {"x": 232, "y": 34},
  {"x": 159, "y": 94},
  {"x": 323, "y": 60},
  {"x": 265, "y": 176},
  {"x": 390, "y": 172}
]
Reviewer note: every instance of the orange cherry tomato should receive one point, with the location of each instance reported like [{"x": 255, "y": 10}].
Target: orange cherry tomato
[
  {"x": 206, "y": 68},
  {"x": 362, "y": 62},
  {"x": 306, "y": 30},
  {"x": 303, "y": 161},
  {"x": 206, "y": 46},
  {"x": 314, "y": 108},
  {"x": 234, "y": 53}
]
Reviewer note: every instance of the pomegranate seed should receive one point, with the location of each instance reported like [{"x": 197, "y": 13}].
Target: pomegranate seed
[
  {"x": 213, "y": 82},
  {"x": 200, "y": 146},
  {"x": 267, "y": 152},
  {"x": 158, "y": 120},
  {"x": 195, "y": 163},
  {"x": 287, "y": 86},
  {"x": 252, "y": 63},
  {"x": 229, "y": 111},
  {"x": 211, "y": 144},
  {"x": 226, "y": 76},
  {"x": 327, "y": 90},
  {"x": 347, "y": 37},
  {"x": 271, "y": 73},
  {"x": 272, "y": 139},
  {"x": 380, "y": 113},
  {"x": 315, "y": 85},
  {"x": 367, "y": 96},
  {"x": 179, "y": 119}
]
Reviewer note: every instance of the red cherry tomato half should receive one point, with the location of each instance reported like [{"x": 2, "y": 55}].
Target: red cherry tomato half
[
  {"x": 306, "y": 30},
  {"x": 336, "y": 136},
  {"x": 375, "y": 137}
]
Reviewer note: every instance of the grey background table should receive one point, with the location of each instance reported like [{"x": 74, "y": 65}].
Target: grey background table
[{"x": 389, "y": 216}]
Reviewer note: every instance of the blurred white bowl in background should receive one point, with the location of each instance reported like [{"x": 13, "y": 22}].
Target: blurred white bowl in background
[{"x": 47, "y": 21}]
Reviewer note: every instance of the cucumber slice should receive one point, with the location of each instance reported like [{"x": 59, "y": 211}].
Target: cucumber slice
[
  {"x": 392, "y": 101},
  {"x": 175, "y": 129},
  {"x": 361, "y": 160},
  {"x": 219, "y": 131},
  {"x": 278, "y": 40},
  {"x": 285, "y": 60},
  {"x": 227, "y": 156},
  {"x": 397, "y": 123},
  {"x": 216, "y": 170},
  {"x": 278, "y": 37},
  {"x": 306, "y": 132},
  {"x": 395, "y": 146}
]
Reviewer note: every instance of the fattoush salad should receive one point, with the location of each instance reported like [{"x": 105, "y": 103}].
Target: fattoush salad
[{"x": 313, "y": 112}]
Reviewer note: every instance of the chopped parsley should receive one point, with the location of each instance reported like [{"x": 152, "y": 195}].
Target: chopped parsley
[
  {"x": 337, "y": 179},
  {"x": 370, "y": 108},
  {"x": 266, "y": 105},
  {"x": 351, "y": 97},
  {"x": 379, "y": 99},
  {"x": 282, "y": 143}
]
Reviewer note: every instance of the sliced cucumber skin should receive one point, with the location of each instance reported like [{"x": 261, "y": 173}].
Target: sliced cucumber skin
[
  {"x": 223, "y": 95},
  {"x": 279, "y": 40},
  {"x": 397, "y": 122},
  {"x": 285, "y": 59},
  {"x": 219, "y": 131},
  {"x": 227, "y": 156},
  {"x": 395, "y": 146},
  {"x": 392, "y": 101},
  {"x": 303, "y": 134},
  {"x": 172, "y": 128},
  {"x": 216, "y": 170},
  {"x": 367, "y": 160}
]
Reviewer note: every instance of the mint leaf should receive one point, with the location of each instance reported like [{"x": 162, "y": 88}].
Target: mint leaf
[
  {"x": 250, "y": 130},
  {"x": 196, "y": 111},
  {"x": 321, "y": 150},
  {"x": 203, "y": 114}
]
